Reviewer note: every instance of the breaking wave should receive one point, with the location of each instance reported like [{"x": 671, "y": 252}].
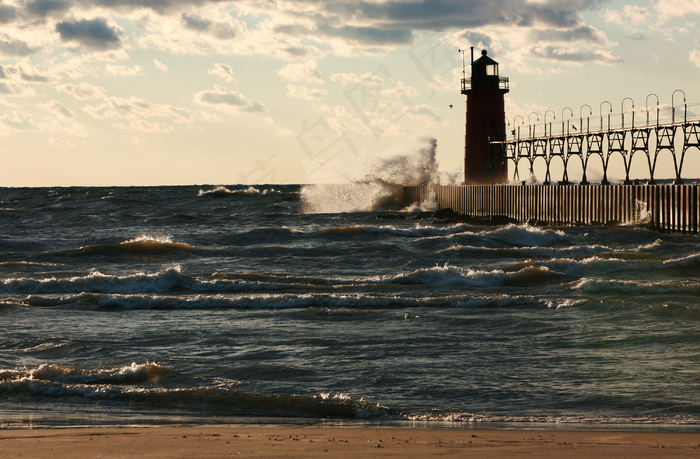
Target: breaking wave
[
  {"x": 222, "y": 191},
  {"x": 151, "y": 386}
]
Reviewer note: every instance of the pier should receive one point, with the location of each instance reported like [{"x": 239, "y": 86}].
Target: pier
[
  {"x": 668, "y": 208},
  {"x": 493, "y": 147}
]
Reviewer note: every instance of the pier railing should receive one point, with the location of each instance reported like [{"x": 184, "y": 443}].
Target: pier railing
[
  {"x": 652, "y": 133},
  {"x": 668, "y": 208}
]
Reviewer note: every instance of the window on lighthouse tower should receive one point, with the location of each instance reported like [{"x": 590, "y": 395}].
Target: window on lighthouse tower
[{"x": 492, "y": 69}]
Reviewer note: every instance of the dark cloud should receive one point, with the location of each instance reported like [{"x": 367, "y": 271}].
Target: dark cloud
[
  {"x": 578, "y": 34},
  {"x": 7, "y": 14},
  {"x": 444, "y": 14},
  {"x": 159, "y": 6},
  {"x": 369, "y": 35},
  {"x": 91, "y": 33},
  {"x": 196, "y": 23},
  {"x": 3, "y": 75},
  {"x": 44, "y": 7}
]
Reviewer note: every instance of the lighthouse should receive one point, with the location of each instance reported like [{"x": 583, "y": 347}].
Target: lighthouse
[{"x": 486, "y": 122}]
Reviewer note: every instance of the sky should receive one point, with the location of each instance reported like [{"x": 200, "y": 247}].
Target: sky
[{"x": 176, "y": 92}]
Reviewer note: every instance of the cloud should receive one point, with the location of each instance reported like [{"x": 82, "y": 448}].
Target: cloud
[
  {"x": 60, "y": 142},
  {"x": 58, "y": 108},
  {"x": 302, "y": 71},
  {"x": 668, "y": 9},
  {"x": 140, "y": 115},
  {"x": 302, "y": 92},
  {"x": 32, "y": 75},
  {"x": 629, "y": 15},
  {"x": 695, "y": 57},
  {"x": 96, "y": 34},
  {"x": 223, "y": 71},
  {"x": 221, "y": 30},
  {"x": 580, "y": 34},
  {"x": 82, "y": 90},
  {"x": 439, "y": 15},
  {"x": 8, "y": 14},
  {"x": 353, "y": 78},
  {"x": 231, "y": 101},
  {"x": 424, "y": 114},
  {"x": 45, "y": 7},
  {"x": 11, "y": 88},
  {"x": 159, "y": 65},
  {"x": 18, "y": 121},
  {"x": 122, "y": 70},
  {"x": 369, "y": 35},
  {"x": 565, "y": 54},
  {"x": 12, "y": 47}
]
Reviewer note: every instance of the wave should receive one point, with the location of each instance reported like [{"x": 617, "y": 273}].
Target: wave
[
  {"x": 528, "y": 236},
  {"x": 134, "y": 373},
  {"x": 451, "y": 276},
  {"x": 97, "y": 282},
  {"x": 687, "y": 261},
  {"x": 596, "y": 264},
  {"x": 530, "y": 252},
  {"x": 636, "y": 287},
  {"x": 417, "y": 231},
  {"x": 462, "y": 417},
  {"x": 138, "y": 246},
  {"x": 222, "y": 191},
  {"x": 154, "y": 387},
  {"x": 173, "y": 280},
  {"x": 336, "y": 304}
]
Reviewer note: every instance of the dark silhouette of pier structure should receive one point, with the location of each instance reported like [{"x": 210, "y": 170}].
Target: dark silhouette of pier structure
[
  {"x": 493, "y": 144},
  {"x": 650, "y": 134}
]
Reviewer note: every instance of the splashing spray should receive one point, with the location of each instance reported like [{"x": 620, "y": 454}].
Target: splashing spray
[{"x": 380, "y": 185}]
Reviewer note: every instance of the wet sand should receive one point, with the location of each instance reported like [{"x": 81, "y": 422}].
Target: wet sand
[{"x": 341, "y": 442}]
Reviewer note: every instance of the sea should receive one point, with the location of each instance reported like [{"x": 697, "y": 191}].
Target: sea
[{"x": 291, "y": 304}]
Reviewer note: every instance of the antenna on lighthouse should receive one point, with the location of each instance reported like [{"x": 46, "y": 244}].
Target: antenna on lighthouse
[{"x": 464, "y": 65}]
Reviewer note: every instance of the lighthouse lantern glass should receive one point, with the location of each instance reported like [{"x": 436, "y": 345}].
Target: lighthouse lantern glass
[{"x": 492, "y": 69}]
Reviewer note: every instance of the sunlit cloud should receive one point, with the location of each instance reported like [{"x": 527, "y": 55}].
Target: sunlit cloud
[
  {"x": 302, "y": 92},
  {"x": 302, "y": 71},
  {"x": 140, "y": 115},
  {"x": 226, "y": 100},
  {"x": 82, "y": 90},
  {"x": 695, "y": 57},
  {"x": 223, "y": 71},
  {"x": 123, "y": 70}
]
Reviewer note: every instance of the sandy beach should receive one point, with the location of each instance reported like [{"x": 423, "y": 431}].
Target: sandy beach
[{"x": 190, "y": 442}]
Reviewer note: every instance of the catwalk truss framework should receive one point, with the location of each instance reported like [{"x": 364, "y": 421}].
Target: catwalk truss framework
[{"x": 568, "y": 142}]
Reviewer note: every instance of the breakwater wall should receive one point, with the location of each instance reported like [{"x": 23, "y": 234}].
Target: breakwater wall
[{"x": 668, "y": 208}]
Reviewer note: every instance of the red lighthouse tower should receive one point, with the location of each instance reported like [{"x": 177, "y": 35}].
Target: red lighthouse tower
[{"x": 486, "y": 121}]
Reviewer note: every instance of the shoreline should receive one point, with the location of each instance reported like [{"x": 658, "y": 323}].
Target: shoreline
[{"x": 271, "y": 441}]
